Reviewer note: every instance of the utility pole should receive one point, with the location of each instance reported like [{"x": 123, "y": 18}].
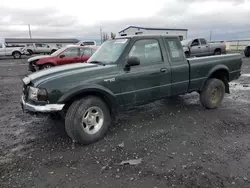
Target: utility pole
[
  {"x": 211, "y": 35},
  {"x": 101, "y": 34},
  {"x": 29, "y": 31}
]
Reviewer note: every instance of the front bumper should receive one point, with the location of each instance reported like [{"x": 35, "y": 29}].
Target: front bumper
[
  {"x": 32, "y": 67},
  {"x": 40, "y": 108}
]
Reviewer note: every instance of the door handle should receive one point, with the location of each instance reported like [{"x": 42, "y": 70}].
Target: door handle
[
  {"x": 199, "y": 47},
  {"x": 207, "y": 46},
  {"x": 163, "y": 69}
]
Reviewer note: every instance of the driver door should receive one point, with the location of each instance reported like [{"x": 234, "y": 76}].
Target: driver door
[
  {"x": 195, "y": 48},
  {"x": 70, "y": 55},
  {"x": 151, "y": 79}
]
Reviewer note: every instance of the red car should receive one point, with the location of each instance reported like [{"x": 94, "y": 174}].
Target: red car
[{"x": 66, "y": 55}]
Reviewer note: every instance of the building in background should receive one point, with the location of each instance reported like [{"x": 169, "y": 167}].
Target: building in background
[
  {"x": 135, "y": 30},
  {"x": 59, "y": 42}
]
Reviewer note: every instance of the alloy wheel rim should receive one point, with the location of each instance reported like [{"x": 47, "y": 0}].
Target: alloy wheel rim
[{"x": 92, "y": 120}]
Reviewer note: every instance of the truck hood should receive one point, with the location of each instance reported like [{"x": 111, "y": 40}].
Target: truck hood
[
  {"x": 38, "y": 57},
  {"x": 58, "y": 71}
]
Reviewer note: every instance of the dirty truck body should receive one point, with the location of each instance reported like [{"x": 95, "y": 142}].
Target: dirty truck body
[{"x": 125, "y": 71}]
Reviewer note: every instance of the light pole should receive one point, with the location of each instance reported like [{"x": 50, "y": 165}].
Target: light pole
[
  {"x": 101, "y": 34},
  {"x": 29, "y": 31}
]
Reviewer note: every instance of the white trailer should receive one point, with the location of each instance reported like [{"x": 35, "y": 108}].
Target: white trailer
[{"x": 135, "y": 30}]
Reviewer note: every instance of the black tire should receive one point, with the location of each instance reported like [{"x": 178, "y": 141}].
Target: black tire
[
  {"x": 212, "y": 93},
  {"x": 30, "y": 52},
  {"x": 217, "y": 52},
  {"x": 247, "y": 52},
  {"x": 69, "y": 116},
  {"x": 82, "y": 132},
  {"x": 52, "y": 51},
  {"x": 187, "y": 54},
  {"x": 46, "y": 66},
  {"x": 16, "y": 55}
]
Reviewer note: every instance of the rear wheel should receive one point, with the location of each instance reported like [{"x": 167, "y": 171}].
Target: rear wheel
[
  {"x": 212, "y": 93},
  {"x": 217, "y": 52},
  {"x": 16, "y": 55},
  {"x": 46, "y": 66},
  {"x": 87, "y": 120},
  {"x": 247, "y": 52}
]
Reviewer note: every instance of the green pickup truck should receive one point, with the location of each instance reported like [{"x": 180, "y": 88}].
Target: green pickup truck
[{"x": 125, "y": 71}]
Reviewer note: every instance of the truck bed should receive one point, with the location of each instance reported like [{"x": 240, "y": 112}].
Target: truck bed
[{"x": 232, "y": 62}]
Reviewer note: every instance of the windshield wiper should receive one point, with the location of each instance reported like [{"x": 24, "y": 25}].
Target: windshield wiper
[{"x": 97, "y": 62}]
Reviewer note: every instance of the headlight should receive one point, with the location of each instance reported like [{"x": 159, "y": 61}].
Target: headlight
[{"x": 38, "y": 94}]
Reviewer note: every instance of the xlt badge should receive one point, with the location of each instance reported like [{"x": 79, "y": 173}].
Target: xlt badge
[{"x": 109, "y": 80}]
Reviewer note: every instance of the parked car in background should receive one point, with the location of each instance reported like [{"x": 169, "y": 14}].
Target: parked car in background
[
  {"x": 15, "y": 52},
  {"x": 126, "y": 71},
  {"x": 38, "y": 48},
  {"x": 247, "y": 51},
  {"x": 200, "y": 47},
  {"x": 87, "y": 43},
  {"x": 66, "y": 55}
]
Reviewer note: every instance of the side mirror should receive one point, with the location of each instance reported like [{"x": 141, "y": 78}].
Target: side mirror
[
  {"x": 133, "y": 61},
  {"x": 62, "y": 56}
]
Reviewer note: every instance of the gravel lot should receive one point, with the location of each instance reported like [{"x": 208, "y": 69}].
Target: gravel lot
[{"x": 181, "y": 144}]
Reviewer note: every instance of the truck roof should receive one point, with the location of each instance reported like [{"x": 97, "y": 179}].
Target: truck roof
[{"x": 145, "y": 35}]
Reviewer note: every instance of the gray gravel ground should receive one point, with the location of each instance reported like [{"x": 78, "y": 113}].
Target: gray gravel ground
[{"x": 181, "y": 144}]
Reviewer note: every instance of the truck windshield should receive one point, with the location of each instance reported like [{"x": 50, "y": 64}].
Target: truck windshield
[{"x": 109, "y": 51}]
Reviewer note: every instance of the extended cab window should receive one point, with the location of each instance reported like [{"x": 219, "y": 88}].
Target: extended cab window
[
  {"x": 71, "y": 52},
  {"x": 175, "y": 49},
  {"x": 148, "y": 51},
  {"x": 1, "y": 45},
  {"x": 38, "y": 45},
  {"x": 203, "y": 41}
]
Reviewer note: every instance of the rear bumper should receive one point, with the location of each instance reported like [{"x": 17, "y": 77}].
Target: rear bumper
[{"x": 40, "y": 108}]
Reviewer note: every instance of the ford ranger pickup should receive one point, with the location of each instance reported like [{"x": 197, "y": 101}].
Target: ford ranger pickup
[{"x": 125, "y": 71}]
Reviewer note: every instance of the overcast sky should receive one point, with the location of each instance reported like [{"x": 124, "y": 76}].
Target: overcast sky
[{"x": 228, "y": 19}]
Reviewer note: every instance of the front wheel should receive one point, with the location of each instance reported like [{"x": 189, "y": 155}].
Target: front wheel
[
  {"x": 46, "y": 66},
  {"x": 87, "y": 120},
  {"x": 16, "y": 55},
  {"x": 30, "y": 52},
  {"x": 187, "y": 54},
  {"x": 212, "y": 93}
]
